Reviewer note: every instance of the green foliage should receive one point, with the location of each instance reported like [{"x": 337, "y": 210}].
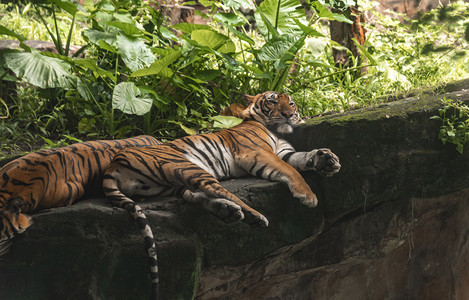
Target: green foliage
[
  {"x": 454, "y": 116},
  {"x": 40, "y": 70},
  {"x": 398, "y": 62},
  {"x": 25, "y": 21},
  {"x": 141, "y": 75},
  {"x": 429, "y": 49},
  {"x": 339, "y": 4}
]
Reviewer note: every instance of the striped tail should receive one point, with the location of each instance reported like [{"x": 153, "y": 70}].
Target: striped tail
[{"x": 118, "y": 199}]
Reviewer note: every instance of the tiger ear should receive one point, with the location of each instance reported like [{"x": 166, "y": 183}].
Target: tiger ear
[{"x": 248, "y": 99}]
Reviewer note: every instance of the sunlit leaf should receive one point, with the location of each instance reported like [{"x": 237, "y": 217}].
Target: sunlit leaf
[
  {"x": 159, "y": 65},
  {"x": 128, "y": 98},
  {"x": 324, "y": 12},
  {"x": 230, "y": 19},
  {"x": 393, "y": 75},
  {"x": 69, "y": 7},
  {"x": 214, "y": 40},
  {"x": 128, "y": 29},
  {"x": 189, "y": 27},
  {"x": 105, "y": 46},
  {"x": 95, "y": 36},
  {"x": 41, "y": 71},
  {"x": 188, "y": 130},
  {"x": 280, "y": 14},
  {"x": 315, "y": 46},
  {"x": 135, "y": 53},
  {"x": 237, "y": 4},
  {"x": 167, "y": 34},
  {"x": 92, "y": 65},
  {"x": 281, "y": 49},
  {"x": 226, "y": 121}
]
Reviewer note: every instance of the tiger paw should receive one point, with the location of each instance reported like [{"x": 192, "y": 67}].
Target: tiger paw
[
  {"x": 226, "y": 210},
  {"x": 324, "y": 162},
  {"x": 309, "y": 200},
  {"x": 255, "y": 219}
]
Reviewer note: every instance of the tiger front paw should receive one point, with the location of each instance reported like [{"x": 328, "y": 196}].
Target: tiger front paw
[
  {"x": 255, "y": 219},
  {"x": 226, "y": 210},
  {"x": 310, "y": 199},
  {"x": 324, "y": 161}
]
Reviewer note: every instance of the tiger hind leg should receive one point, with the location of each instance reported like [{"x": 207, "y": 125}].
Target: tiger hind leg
[
  {"x": 251, "y": 216},
  {"x": 192, "y": 177},
  {"x": 226, "y": 210}
]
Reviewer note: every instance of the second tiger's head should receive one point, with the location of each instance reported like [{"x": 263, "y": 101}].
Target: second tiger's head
[{"x": 276, "y": 111}]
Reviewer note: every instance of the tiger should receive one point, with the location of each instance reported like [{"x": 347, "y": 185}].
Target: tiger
[
  {"x": 192, "y": 167},
  {"x": 53, "y": 178}
]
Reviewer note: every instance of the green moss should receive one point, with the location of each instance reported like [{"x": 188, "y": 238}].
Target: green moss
[{"x": 400, "y": 109}]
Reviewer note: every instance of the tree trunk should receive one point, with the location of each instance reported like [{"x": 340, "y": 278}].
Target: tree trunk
[{"x": 343, "y": 33}]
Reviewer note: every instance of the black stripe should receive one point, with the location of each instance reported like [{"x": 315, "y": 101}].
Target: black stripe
[
  {"x": 287, "y": 156},
  {"x": 259, "y": 172}
]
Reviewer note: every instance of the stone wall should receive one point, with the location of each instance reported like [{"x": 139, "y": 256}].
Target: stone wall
[{"x": 391, "y": 225}]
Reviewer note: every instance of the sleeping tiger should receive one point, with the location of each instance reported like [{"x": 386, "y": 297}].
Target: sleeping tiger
[
  {"x": 53, "y": 178},
  {"x": 192, "y": 167}
]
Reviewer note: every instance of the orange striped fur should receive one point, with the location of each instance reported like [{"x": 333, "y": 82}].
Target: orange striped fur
[{"x": 53, "y": 178}]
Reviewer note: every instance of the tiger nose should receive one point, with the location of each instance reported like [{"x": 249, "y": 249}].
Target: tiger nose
[{"x": 287, "y": 114}]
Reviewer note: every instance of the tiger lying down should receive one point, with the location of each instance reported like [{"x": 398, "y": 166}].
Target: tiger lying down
[
  {"x": 142, "y": 166},
  {"x": 192, "y": 167},
  {"x": 54, "y": 178}
]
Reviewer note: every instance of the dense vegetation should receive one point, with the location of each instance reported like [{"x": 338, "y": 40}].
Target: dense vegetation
[{"x": 134, "y": 73}]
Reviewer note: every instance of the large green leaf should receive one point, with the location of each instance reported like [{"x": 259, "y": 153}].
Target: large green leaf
[
  {"x": 128, "y": 98},
  {"x": 127, "y": 28},
  {"x": 230, "y": 19},
  {"x": 189, "y": 27},
  {"x": 135, "y": 53},
  {"x": 159, "y": 65},
  {"x": 41, "y": 71},
  {"x": 95, "y": 36},
  {"x": 238, "y": 4},
  {"x": 275, "y": 48},
  {"x": 324, "y": 12},
  {"x": 281, "y": 14},
  {"x": 69, "y": 7},
  {"x": 214, "y": 40},
  {"x": 91, "y": 64},
  {"x": 226, "y": 121},
  {"x": 281, "y": 50}
]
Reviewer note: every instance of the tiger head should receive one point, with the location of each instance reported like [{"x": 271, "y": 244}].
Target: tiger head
[
  {"x": 12, "y": 221},
  {"x": 276, "y": 111}
]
